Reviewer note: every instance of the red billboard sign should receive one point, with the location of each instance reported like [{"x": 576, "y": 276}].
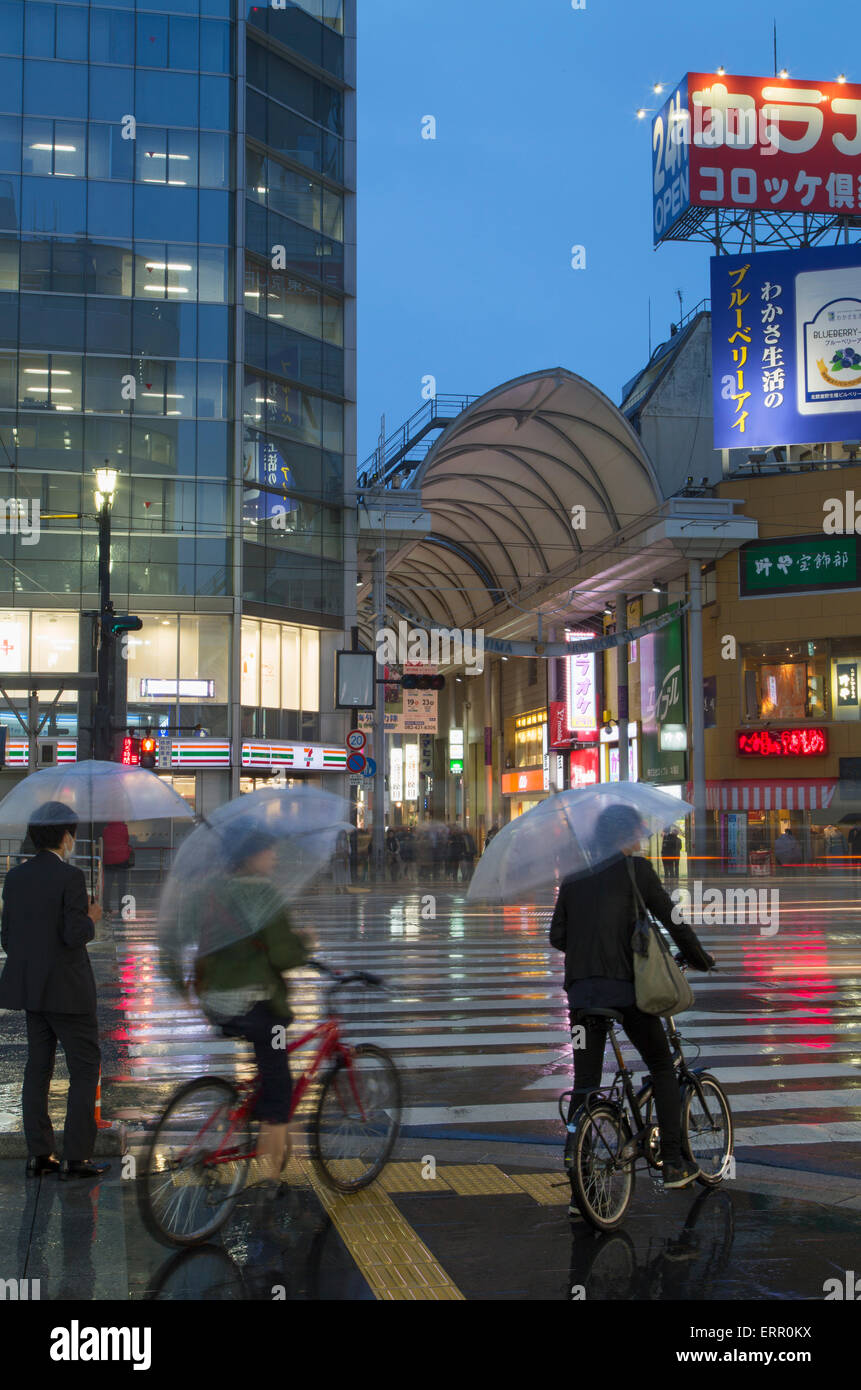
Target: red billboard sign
[
  {"x": 584, "y": 767},
  {"x": 781, "y": 743},
  {"x": 769, "y": 143}
]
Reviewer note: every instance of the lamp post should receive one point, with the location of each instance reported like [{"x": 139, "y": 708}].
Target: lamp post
[{"x": 106, "y": 485}]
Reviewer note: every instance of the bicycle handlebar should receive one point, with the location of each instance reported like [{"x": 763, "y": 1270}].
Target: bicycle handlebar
[
  {"x": 339, "y": 979},
  {"x": 684, "y": 965}
]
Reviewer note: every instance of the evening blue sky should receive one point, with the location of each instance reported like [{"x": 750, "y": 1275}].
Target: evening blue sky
[{"x": 464, "y": 242}]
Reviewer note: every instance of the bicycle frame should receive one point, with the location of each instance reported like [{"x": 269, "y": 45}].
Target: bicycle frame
[{"x": 331, "y": 1046}]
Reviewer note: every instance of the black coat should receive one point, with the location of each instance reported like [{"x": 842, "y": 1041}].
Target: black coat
[
  {"x": 594, "y": 919},
  {"x": 45, "y": 930}
]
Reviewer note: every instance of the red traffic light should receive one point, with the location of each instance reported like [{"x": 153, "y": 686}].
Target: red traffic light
[
  {"x": 423, "y": 682},
  {"x": 147, "y": 745},
  {"x": 148, "y": 751}
]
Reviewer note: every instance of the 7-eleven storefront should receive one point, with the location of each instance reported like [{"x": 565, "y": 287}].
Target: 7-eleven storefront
[{"x": 749, "y": 815}]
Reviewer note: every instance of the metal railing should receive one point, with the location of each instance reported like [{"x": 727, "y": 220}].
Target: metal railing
[{"x": 404, "y": 445}]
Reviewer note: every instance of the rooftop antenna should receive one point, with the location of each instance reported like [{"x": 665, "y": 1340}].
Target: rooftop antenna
[{"x": 681, "y": 307}]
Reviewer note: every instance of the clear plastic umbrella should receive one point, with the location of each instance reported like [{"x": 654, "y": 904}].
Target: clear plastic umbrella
[
  {"x": 95, "y": 791},
  {"x": 571, "y": 833},
  {"x": 247, "y": 861}
]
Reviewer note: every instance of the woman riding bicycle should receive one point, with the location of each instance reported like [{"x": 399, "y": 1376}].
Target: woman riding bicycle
[
  {"x": 593, "y": 923},
  {"x": 241, "y": 985}
]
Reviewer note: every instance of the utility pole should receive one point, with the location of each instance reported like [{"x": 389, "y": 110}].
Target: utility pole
[
  {"x": 106, "y": 482},
  {"x": 378, "y": 836}
]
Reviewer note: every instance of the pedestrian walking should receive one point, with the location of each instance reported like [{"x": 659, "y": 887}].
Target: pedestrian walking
[
  {"x": 393, "y": 855},
  {"x": 341, "y": 863},
  {"x": 118, "y": 857},
  {"x": 407, "y": 846},
  {"x": 363, "y": 850},
  {"x": 454, "y": 851},
  {"x": 787, "y": 852},
  {"x": 671, "y": 848},
  {"x": 467, "y": 862},
  {"x": 492, "y": 832},
  {"x": 593, "y": 923},
  {"x": 854, "y": 839},
  {"x": 46, "y": 924}
]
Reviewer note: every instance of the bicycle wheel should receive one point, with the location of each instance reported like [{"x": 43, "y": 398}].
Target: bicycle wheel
[
  {"x": 183, "y": 1198},
  {"x": 602, "y": 1185},
  {"x": 203, "y": 1275},
  {"x": 357, "y": 1119},
  {"x": 707, "y": 1132}
]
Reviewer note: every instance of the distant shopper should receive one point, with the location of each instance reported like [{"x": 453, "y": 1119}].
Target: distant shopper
[
  {"x": 341, "y": 863},
  {"x": 671, "y": 848},
  {"x": 117, "y": 861},
  {"x": 363, "y": 850},
  {"x": 467, "y": 862},
  {"x": 454, "y": 851},
  {"x": 491, "y": 834},
  {"x": 393, "y": 855},
  {"x": 47, "y": 922},
  {"x": 787, "y": 851},
  {"x": 855, "y": 847}
]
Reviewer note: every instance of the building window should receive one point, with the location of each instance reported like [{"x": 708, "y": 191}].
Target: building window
[
  {"x": 280, "y": 666},
  {"x": 785, "y": 681},
  {"x": 529, "y": 734}
]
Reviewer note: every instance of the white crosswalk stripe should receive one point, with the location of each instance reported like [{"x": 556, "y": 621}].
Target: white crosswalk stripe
[{"x": 475, "y": 1016}]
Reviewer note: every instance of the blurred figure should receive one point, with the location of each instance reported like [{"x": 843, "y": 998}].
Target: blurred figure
[
  {"x": 341, "y": 863},
  {"x": 47, "y": 922},
  {"x": 241, "y": 986},
  {"x": 117, "y": 859},
  {"x": 491, "y": 834},
  {"x": 855, "y": 847},
  {"x": 467, "y": 862},
  {"x": 407, "y": 845},
  {"x": 454, "y": 851},
  {"x": 363, "y": 850},
  {"x": 671, "y": 848},
  {"x": 393, "y": 855},
  {"x": 787, "y": 851}
]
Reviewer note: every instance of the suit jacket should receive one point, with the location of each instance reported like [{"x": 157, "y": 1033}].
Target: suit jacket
[
  {"x": 44, "y": 932},
  {"x": 594, "y": 919}
]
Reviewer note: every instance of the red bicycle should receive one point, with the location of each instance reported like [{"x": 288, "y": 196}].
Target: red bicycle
[{"x": 197, "y": 1161}]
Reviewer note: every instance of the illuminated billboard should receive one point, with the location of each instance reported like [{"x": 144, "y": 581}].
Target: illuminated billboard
[
  {"x": 769, "y": 143},
  {"x": 786, "y": 347}
]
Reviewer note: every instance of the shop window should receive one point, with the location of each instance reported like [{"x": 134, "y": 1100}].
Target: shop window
[{"x": 784, "y": 682}]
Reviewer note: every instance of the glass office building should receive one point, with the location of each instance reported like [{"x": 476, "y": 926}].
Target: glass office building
[{"x": 176, "y": 298}]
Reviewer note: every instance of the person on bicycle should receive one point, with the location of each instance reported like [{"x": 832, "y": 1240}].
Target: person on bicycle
[
  {"x": 241, "y": 985},
  {"x": 593, "y": 923}
]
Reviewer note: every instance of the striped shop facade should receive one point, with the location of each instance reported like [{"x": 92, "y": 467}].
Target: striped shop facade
[
  {"x": 302, "y": 757},
  {"x": 201, "y": 753},
  {"x": 800, "y": 794}
]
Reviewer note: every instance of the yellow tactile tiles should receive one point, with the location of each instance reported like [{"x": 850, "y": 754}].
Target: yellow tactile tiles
[
  {"x": 546, "y": 1188},
  {"x": 395, "y": 1262},
  {"x": 408, "y": 1177},
  {"x": 478, "y": 1180}
]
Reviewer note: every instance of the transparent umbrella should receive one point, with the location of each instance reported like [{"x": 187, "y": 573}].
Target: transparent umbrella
[
  {"x": 248, "y": 860},
  {"x": 571, "y": 833},
  {"x": 96, "y": 792}
]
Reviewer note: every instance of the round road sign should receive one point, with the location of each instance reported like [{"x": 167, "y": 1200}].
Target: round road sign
[
  {"x": 356, "y": 740},
  {"x": 356, "y": 762},
  {"x": 370, "y": 768}
]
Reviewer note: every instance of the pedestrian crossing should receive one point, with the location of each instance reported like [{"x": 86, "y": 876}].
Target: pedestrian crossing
[{"x": 475, "y": 1016}]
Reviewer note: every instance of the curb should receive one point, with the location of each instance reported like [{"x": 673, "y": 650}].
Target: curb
[{"x": 109, "y": 1143}]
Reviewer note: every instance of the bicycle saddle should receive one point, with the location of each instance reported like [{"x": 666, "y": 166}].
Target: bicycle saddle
[{"x": 599, "y": 1013}]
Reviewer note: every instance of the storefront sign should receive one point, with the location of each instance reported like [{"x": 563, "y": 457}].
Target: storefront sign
[
  {"x": 396, "y": 774},
  {"x": 17, "y": 751},
  {"x": 411, "y": 772},
  {"x": 584, "y": 767},
  {"x": 406, "y": 711},
  {"x": 152, "y": 688},
  {"x": 781, "y": 743},
  {"x": 847, "y": 683},
  {"x": 662, "y": 702},
  {"x": 530, "y": 782},
  {"x": 786, "y": 347},
  {"x": 200, "y": 752},
  {"x": 300, "y": 756},
  {"x": 754, "y": 142},
  {"x": 799, "y": 565}
]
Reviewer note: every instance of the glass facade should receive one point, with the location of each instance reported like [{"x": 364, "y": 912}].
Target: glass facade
[{"x": 120, "y": 281}]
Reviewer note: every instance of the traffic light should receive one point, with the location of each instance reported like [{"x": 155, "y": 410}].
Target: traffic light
[
  {"x": 149, "y": 752},
  {"x": 130, "y": 751},
  {"x": 423, "y": 682},
  {"x": 116, "y": 623}
]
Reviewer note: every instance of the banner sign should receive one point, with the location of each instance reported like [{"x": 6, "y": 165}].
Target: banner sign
[
  {"x": 786, "y": 347},
  {"x": 755, "y": 142},
  {"x": 662, "y": 701},
  {"x": 800, "y": 564},
  {"x": 781, "y": 743}
]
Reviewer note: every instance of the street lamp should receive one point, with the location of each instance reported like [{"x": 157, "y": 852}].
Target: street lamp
[{"x": 106, "y": 486}]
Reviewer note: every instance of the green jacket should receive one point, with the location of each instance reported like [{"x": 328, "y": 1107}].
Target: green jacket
[{"x": 256, "y": 959}]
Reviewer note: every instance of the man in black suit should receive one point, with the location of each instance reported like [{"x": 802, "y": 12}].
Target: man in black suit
[{"x": 47, "y": 922}]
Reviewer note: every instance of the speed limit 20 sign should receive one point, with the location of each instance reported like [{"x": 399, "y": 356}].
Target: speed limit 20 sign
[{"x": 355, "y": 740}]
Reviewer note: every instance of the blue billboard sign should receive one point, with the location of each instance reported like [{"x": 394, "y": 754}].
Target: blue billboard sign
[
  {"x": 671, "y": 179},
  {"x": 786, "y": 347}
]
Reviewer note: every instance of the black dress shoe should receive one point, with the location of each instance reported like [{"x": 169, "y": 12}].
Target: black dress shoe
[
  {"x": 81, "y": 1168},
  {"x": 41, "y": 1164}
]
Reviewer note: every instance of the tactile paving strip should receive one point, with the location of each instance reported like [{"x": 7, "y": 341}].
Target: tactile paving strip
[
  {"x": 546, "y": 1188},
  {"x": 478, "y": 1179},
  {"x": 389, "y": 1254},
  {"x": 407, "y": 1177}
]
